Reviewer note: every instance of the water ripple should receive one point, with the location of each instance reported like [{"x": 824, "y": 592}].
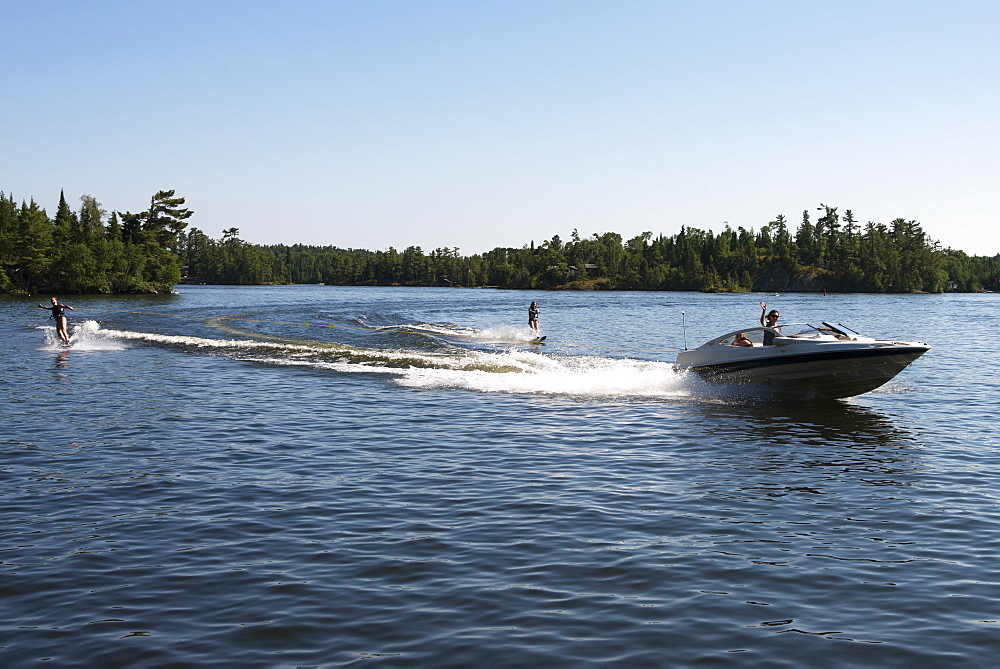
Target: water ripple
[{"x": 256, "y": 501}]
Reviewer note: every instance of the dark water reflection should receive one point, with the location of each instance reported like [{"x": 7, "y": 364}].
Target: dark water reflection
[{"x": 832, "y": 441}]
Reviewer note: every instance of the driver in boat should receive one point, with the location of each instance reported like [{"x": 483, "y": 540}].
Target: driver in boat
[
  {"x": 771, "y": 322},
  {"x": 742, "y": 340}
]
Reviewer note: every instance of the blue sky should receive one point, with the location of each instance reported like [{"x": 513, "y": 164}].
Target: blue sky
[{"x": 370, "y": 124}]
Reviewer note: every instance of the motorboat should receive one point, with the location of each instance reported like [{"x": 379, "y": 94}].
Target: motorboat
[{"x": 800, "y": 360}]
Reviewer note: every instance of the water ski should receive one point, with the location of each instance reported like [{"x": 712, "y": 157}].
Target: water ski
[{"x": 538, "y": 340}]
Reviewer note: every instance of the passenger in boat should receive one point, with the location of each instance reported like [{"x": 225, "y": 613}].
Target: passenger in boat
[
  {"x": 770, "y": 320},
  {"x": 59, "y": 314},
  {"x": 533, "y": 316},
  {"x": 742, "y": 340}
]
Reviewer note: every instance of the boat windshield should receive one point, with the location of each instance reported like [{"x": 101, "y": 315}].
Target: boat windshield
[
  {"x": 843, "y": 329},
  {"x": 838, "y": 331},
  {"x": 755, "y": 335},
  {"x": 746, "y": 338}
]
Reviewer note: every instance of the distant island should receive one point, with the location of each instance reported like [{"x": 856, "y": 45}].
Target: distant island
[{"x": 91, "y": 251}]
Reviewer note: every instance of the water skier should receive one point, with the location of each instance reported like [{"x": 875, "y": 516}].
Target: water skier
[
  {"x": 59, "y": 314},
  {"x": 533, "y": 316}
]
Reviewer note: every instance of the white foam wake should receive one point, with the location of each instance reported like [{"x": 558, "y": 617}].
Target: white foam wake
[
  {"x": 583, "y": 376},
  {"x": 514, "y": 370}
]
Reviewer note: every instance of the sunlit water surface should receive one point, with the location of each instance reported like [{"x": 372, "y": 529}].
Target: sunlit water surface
[{"x": 297, "y": 476}]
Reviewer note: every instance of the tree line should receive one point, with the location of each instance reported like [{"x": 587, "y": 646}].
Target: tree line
[
  {"x": 89, "y": 251},
  {"x": 86, "y": 251},
  {"x": 834, "y": 253}
]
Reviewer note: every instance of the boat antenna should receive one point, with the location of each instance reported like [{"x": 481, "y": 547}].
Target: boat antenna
[{"x": 684, "y": 326}]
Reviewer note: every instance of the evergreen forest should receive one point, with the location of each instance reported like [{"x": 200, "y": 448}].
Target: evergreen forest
[
  {"x": 88, "y": 250},
  {"x": 85, "y": 251}
]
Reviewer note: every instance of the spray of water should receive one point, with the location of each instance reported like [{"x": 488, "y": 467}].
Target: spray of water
[
  {"x": 505, "y": 370},
  {"x": 85, "y": 336},
  {"x": 581, "y": 376}
]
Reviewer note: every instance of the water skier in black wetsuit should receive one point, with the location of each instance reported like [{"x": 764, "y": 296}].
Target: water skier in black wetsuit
[
  {"x": 533, "y": 316},
  {"x": 59, "y": 314},
  {"x": 533, "y": 322}
]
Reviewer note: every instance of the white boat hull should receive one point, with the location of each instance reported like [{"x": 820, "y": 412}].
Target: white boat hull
[
  {"x": 817, "y": 363},
  {"x": 823, "y": 374}
]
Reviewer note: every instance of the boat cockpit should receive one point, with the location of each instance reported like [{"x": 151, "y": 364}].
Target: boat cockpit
[{"x": 798, "y": 333}]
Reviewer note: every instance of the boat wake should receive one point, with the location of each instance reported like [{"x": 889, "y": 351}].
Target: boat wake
[
  {"x": 581, "y": 376},
  {"x": 498, "y": 334},
  {"x": 509, "y": 369}
]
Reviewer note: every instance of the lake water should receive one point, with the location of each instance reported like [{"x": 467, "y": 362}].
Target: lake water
[{"x": 334, "y": 479}]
